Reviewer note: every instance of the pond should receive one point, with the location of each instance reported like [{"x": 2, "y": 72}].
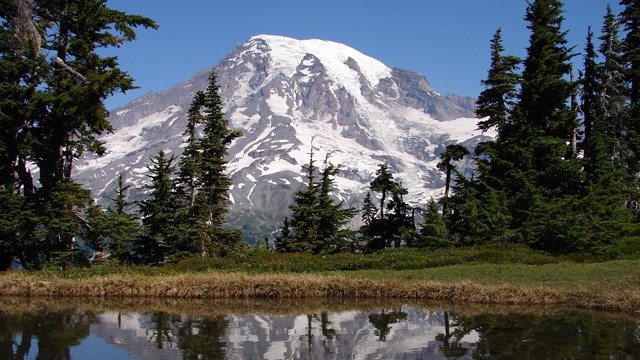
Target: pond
[{"x": 288, "y": 329}]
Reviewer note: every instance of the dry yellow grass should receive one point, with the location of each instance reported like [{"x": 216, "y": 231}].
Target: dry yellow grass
[{"x": 215, "y": 285}]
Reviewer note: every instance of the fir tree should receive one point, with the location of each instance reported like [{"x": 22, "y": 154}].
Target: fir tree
[
  {"x": 283, "y": 241},
  {"x": 317, "y": 220},
  {"x": 120, "y": 228},
  {"x": 400, "y": 221},
  {"x": 191, "y": 156},
  {"x": 369, "y": 210},
  {"x": 496, "y": 100},
  {"x": 54, "y": 81},
  {"x": 304, "y": 211},
  {"x": 202, "y": 176},
  {"x": 590, "y": 95},
  {"x": 383, "y": 183},
  {"x": 160, "y": 236},
  {"x": 333, "y": 217},
  {"x": 433, "y": 232},
  {"x": 453, "y": 152},
  {"x": 630, "y": 57}
]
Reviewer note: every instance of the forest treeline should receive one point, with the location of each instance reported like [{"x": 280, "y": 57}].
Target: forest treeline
[{"x": 562, "y": 174}]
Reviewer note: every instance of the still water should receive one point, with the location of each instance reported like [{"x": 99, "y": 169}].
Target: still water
[{"x": 101, "y": 329}]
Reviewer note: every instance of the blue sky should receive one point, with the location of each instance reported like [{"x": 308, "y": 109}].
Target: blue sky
[{"x": 446, "y": 40}]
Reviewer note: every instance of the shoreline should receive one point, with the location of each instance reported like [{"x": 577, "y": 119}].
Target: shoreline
[{"x": 215, "y": 285}]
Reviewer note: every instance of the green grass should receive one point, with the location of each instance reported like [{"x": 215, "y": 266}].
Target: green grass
[
  {"x": 610, "y": 275},
  {"x": 397, "y": 259},
  {"x": 491, "y": 264},
  {"x": 504, "y": 274},
  {"x": 268, "y": 262}
]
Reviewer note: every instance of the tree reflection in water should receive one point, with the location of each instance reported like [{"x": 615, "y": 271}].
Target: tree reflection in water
[
  {"x": 324, "y": 334},
  {"x": 54, "y": 335},
  {"x": 383, "y": 320},
  {"x": 562, "y": 335}
]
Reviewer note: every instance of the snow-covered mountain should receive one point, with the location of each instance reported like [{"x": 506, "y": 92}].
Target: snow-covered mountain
[
  {"x": 345, "y": 335},
  {"x": 287, "y": 95}
]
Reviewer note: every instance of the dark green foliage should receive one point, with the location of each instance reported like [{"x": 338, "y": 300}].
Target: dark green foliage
[
  {"x": 383, "y": 183},
  {"x": 114, "y": 231},
  {"x": 531, "y": 186},
  {"x": 283, "y": 240},
  {"x": 396, "y": 226},
  {"x": 160, "y": 237},
  {"x": 452, "y": 152},
  {"x": 202, "y": 181},
  {"x": 433, "y": 231},
  {"x": 53, "y": 81},
  {"x": 369, "y": 210},
  {"x": 317, "y": 221},
  {"x": 403, "y": 258},
  {"x": 496, "y": 100}
]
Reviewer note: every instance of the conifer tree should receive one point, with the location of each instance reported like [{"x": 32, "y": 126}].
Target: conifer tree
[
  {"x": 333, "y": 217},
  {"x": 630, "y": 56},
  {"x": 159, "y": 212},
  {"x": 433, "y": 231},
  {"x": 538, "y": 143},
  {"x": 369, "y": 210},
  {"x": 590, "y": 94},
  {"x": 283, "y": 241},
  {"x": 202, "y": 177},
  {"x": 496, "y": 100},
  {"x": 304, "y": 211},
  {"x": 120, "y": 229},
  {"x": 317, "y": 220},
  {"x": 54, "y": 81},
  {"x": 383, "y": 183},
  {"x": 453, "y": 152},
  {"x": 191, "y": 156}
]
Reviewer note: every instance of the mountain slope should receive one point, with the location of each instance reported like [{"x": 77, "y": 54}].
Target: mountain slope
[{"x": 285, "y": 95}]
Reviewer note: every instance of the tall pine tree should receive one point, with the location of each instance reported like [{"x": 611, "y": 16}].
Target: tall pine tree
[
  {"x": 496, "y": 100},
  {"x": 54, "y": 80},
  {"x": 202, "y": 177},
  {"x": 161, "y": 236}
]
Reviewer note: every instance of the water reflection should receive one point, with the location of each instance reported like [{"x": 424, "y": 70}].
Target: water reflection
[{"x": 95, "y": 329}]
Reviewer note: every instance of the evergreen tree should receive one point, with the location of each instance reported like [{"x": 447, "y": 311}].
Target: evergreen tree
[
  {"x": 333, "y": 217},
  {"x": 433, "y": 232},
  {"x": 160, "y": 236},
  {"x": 400, "y": 221},
  {"x": 630, "y": 57},
  {"x": 369, "y": 210},
  {"x": 191, "y": 156},
  {"x": 317, "y": 221},
  {"x": 611, "y": 105},
  {"x": 304, "y": 211},
  {"x": 116, "y": 230},
  {"x": 383, "y": 183},
  {"x": 590, "y": 95},
  {"x": 396, "y": 225},
  {"x": 54, "y": 80},
  {"x": 545, "y": 172},
  {"x": 453, "y": 152},
  {"x": 496, "y": 100},
  {"x": 202, "y": 178},
  {"x": 283, "y": 241}
]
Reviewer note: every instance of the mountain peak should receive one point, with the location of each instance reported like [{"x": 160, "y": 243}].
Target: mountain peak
[
  {"x": 288, "y": 53},
  {"x": 287, "y": 95}
]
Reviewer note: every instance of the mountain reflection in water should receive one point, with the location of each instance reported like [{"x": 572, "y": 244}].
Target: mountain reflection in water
[{"x": 236, "y": 329}]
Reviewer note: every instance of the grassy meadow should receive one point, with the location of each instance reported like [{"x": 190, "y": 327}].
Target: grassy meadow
[{"x": 498, "y": 274}]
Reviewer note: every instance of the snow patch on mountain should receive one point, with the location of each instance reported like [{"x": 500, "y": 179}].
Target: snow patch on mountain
[{"x": 290, "y": 98}]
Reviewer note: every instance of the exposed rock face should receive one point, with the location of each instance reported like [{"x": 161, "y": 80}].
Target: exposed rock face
[{"x": 285, "y": 95}]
